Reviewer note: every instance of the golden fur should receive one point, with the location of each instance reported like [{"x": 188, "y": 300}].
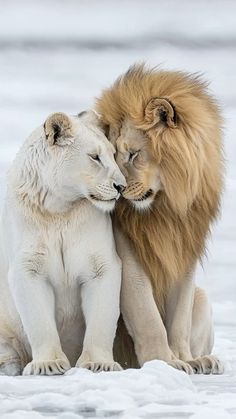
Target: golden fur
[
  {"x": 170, "y": 237},
  {"x": 181, "y": 126}
]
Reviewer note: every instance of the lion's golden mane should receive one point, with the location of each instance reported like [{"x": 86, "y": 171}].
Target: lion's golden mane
[{"x": 170, "y": 237}]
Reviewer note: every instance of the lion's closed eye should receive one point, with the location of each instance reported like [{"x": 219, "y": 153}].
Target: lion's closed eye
[{"x": 132, "y": 155}]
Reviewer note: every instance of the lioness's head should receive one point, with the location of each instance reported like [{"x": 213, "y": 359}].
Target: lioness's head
[{"x": 81, "y": 160}]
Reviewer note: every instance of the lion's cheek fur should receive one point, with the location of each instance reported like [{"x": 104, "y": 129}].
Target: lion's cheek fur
[{"x": 180, "y": 171}]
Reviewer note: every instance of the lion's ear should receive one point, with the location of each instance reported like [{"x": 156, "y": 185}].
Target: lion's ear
[
  {"x": 58, "y": 129},
  {"x": 100, "y": 122},
  {"x": 160, "y": 112}
]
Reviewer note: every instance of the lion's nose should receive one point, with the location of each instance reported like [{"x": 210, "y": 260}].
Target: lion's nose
[{"x": 119, "y": 188}]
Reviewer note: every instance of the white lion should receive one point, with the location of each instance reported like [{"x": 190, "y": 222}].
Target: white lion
[{"x": 59, "y": 271}]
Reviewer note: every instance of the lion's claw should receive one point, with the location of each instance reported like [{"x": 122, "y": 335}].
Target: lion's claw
[
  {"x": 208, "y": 364},
  {"x": 182, "y": 366}
]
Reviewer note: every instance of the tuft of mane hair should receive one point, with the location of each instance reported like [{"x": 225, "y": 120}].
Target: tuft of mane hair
[{"x": 170, "y": 237}]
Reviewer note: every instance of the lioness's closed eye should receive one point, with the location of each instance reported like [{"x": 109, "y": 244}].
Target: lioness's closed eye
[{"x": 56, "y": 308}]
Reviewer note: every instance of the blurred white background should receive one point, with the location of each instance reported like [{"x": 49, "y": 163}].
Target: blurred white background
[{"x": 57, "y": 55}]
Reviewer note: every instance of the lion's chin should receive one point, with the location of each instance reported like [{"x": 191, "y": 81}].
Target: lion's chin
[
  {"x": 143, "y": 202},
  {"x": 143, "y": 205}
]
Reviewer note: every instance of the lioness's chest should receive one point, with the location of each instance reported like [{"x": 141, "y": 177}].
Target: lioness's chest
[{"x": 75, "y": 250}]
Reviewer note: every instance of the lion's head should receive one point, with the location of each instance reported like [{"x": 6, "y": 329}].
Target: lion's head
[
  {"x": 167, "y": 132},
  {"x": 166, "y": 129}
]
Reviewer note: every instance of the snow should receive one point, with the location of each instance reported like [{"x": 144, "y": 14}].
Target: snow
[
  {"x": 57, "y": 55},
  {"x": 86, "y": 393}
]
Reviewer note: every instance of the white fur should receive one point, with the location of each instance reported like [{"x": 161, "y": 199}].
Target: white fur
[{"x": 59, "y": 271}]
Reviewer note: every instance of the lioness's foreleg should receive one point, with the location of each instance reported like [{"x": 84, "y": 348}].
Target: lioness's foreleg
[
  {"x": 34, "y": 300},
  {"x": 140, "y": 312},
  {"x": 100, "y": 303}
]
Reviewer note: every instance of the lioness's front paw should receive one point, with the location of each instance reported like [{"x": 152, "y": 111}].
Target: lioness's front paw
[
  {"x": 207, "y": 364},
  {"x": 54, "y": 367},
  {"x": 99, "y": 366},
  {"x": 182, "y": 366},
  {"x": 10, "y": 368}
]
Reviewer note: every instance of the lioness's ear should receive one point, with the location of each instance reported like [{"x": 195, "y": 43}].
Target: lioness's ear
[
  {"x": 58, "y": 129},
  {"x": 160, "y": 111}
]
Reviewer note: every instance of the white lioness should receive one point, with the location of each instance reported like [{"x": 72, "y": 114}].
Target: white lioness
[{"x": 60, "y": 274}]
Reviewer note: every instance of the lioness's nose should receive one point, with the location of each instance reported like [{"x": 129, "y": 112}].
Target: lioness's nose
[{"x": 119, "y": 188}]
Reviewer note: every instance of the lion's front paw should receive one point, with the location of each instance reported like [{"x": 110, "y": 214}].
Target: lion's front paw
[
  {"x": 54, "y": 367},
  {"x": 207, "y": 364},
  {"x": 182, "y": 366},
  {"x": 99, "y": 366}
]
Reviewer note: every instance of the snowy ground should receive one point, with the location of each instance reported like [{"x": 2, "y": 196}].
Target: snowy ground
[{"x": 56, "y": 56}]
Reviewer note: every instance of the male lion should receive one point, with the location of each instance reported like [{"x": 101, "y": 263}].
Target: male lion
[
  {"x": 167, "y": 132},
  {"x": 60, "y": 282}
]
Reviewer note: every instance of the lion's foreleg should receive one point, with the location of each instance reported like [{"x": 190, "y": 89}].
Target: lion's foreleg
[
  {"x": 142, "y": 317},
  {"x": 139, "y": 310},
  {"x": 179, "y": 307},
  {"x": 202, "y": 333},
  {"x": 190, "y": 328},
  {"x": 202, "y": 336},
  {"x": 34, "y": 299}
]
